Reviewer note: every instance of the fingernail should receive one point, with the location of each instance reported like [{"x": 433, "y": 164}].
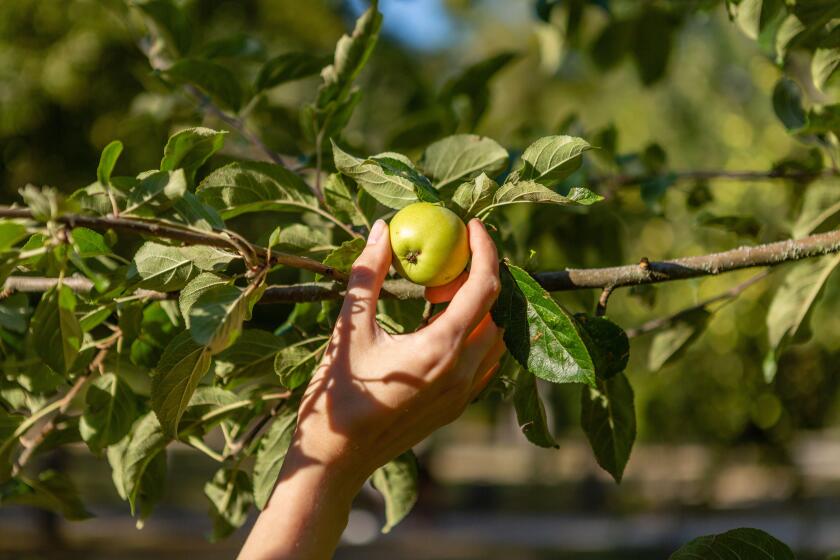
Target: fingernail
[{"x": 376, "y": 232}]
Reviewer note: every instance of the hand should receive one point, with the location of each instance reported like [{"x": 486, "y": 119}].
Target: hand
[{"x": 375, "y": 395}]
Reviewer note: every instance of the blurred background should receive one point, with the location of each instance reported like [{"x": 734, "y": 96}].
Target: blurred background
[{"x": 657, "y": 85}]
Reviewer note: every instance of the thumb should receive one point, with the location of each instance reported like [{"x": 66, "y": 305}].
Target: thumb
[{"x": 366, "y": 278}]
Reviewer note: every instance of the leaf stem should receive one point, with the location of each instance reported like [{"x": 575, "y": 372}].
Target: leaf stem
[{"x": 196, "y": 443}]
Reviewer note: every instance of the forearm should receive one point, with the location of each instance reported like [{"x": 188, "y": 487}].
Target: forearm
[{"x": 306, "y": 514}]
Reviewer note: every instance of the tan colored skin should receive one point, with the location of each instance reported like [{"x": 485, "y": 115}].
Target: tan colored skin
[
  {"x": 430, "y": 244},
  {"x": 376, "y": 395}
]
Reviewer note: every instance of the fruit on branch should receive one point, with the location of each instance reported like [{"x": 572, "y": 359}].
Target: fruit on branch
[{"x": 430, "y": 244}]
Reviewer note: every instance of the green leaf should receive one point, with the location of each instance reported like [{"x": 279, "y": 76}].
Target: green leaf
[
  {"x": 294, "y": 365},
  {"x": 351, "y": 54},
  {"x": 243, "y": 187},
  {"x": 793, "y": 301},
  {"x": 55, "y": 334},
  {"x": 530, "y": 411},
  {"x": 820, "y": 208},
  {"x": 614, "y": 42},
  {"x": 787, "y": 103},
  {"x": 107, "y": 161},
  {"x": 787, "y": 36},
  {"x": 608, "y": 417},
  {"x": 14, "y": 312},
  {"x": 213, "y": 79},
  {"x": 759, "y": 18},
  {"x": 230, "y": 498},
  {"x": 737, "y": 544},
  {"x": 542, "y": 336},
  {"x": 472, "y": 85},
  {"x": 88, "y": 243},
  {"x": 402, "y": 167},
  {"x": 51, "y": 491},
  {"x": 168, "y": 21},
  {"x": 10, "y": 234},
  {"x": 211, "y": 405},
  {"x": 821, "y": 120},
  {"x": 397, "y": 481},
  {"x": 191, "y": 211},
  {"x": 825, "y": 64},
  {"x": 240, "y": 46},
  {"x": 341, "y": 201},
  {"x": 217, "y": 315},
  {"x": 138, "y": 464},
  {"x": 532, "y": 192},
  {"x": 32, "y": 374},
  {"x": 46, "y": 203},
  {"x": 610, "y": 348},
  {"x": 471, "y": 198},
  {"x": 212, "y": 396},
  {"x": 390, "y": 189},
  {"x": 156, "y": 191},
  {"x": 252, "y": 355},
  {"x": 94, "y": 198},
  {"x": 110, "y": 410},
  {"x": 8, "y": 424},
  {"x": 167, "y": 269},
  {"x": 652, "y": 45},
  {"x": 462, "y": 157},
  {"x": 271, "y": 453},
  {"x": 195, "y": 289},
  {"x": 551, "y": 159},
  {"x": 181, "y": 367},
  {"x": 669, "y": 344},
  {"x": 289, "y": 67},
  {"x": 299, "y": 239},
  {"x": 190, "y": 148},
  {"x": 343, "y": 257}
]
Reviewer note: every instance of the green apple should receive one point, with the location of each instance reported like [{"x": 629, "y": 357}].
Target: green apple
[{"x": 430, "y": 244}]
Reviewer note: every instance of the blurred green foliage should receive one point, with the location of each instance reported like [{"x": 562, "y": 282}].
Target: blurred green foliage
[{"x": 633, "y": 79}]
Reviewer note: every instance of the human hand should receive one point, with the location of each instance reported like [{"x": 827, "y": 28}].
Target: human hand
[{"x": 375, "y": 395}]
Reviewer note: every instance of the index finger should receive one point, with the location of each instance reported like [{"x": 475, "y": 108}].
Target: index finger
[{"x": 475, "y": 297}]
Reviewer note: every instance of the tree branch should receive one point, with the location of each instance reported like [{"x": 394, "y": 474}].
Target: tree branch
[
  {"x": 646, "y": 272},
  {"x": 218, "y": 238},
  {"x": 652, "y": 272},
  {"x": 48, "y": 427}
]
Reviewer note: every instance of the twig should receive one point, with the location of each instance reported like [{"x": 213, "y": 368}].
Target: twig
[
  {"x": 601, "y": 309},
  {"x": 728, "y": 295},
  {"x": 189, "y": 236},
  {"x": 61, "y": 407},
  {"x": 246, "y": 440}
]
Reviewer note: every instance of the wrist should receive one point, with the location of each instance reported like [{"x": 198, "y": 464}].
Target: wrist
[
  {"x": 337, "y": 455},
  {"x": 305, "y": 472}
]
